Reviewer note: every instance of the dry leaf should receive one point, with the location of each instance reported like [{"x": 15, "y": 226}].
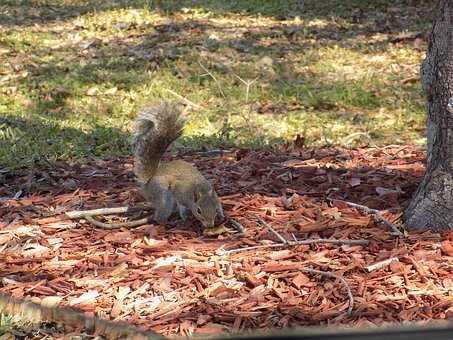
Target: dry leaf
[
  {"x": 210, "y": 329},
  {"x": 85, "y": 298},
  {"x": 51, "y": 301},
  {"x": 119, "y": 237},
  {"x": 34, "y": 249},
  {"x": 154, "y": 244},
  {"x": 300, "y": 280},
  {"x": 118, "y": 305},
  {"x": 281, "y": 254},
  {"x": 92, "y": 91},
  {"x": 111, "y": 91}
]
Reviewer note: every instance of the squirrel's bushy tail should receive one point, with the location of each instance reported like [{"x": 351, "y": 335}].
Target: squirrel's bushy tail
[{"x": 155, "y": 129}]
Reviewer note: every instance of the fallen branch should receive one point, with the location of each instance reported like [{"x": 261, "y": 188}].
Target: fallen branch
[
  {"x": 377, "y": 215},
  {"x": 223, "y": 252},
  {"x": 342, "y": 279},
  {"x": 89, "y": 216},
  {"x": 276, "y": 233},
  {"x": 129, "y": 224},
  {"x": 102, "y": 211},
  {"x": 380, "y": 264},
  {"x": 284, "y": 242},
  {"x": 293, "y": 243}
]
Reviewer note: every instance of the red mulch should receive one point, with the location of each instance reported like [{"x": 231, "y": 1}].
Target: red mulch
[{"x": 178, "y": 284}]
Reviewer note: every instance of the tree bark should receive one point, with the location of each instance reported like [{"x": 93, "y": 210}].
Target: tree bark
[{"x": 432, "y": 204}]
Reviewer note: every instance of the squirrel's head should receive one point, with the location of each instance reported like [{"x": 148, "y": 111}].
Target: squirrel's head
[{"x": 205, "y": 207}]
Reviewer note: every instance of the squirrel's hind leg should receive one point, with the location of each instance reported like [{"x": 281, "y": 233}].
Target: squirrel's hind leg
[{"x": 164, "y": 206}]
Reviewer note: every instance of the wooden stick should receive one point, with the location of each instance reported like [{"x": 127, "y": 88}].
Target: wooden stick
[
  {"x": 294, "y": 243},
  {"x": 213, "y": 78},
  {"x": 323, "y": 240},
  {"x": 129, "y": 224},
  {"x": 342, "y": 279},
  {"x": 276, "y": 233},
  {"x": 223, "y": 252},
  {"x": 102, "y": 211},
  {"x": 377, "y": 215},
  {"x": 380, "y": 264},
  {"x": 184, "y": 99}
]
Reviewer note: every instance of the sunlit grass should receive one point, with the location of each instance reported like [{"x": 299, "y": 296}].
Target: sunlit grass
[
  {"x": 5, "y": 324},
  {"x": 70, "y": 85}
]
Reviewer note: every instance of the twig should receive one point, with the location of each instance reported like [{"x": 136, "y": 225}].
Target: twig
[
  {"x": 380, "y": 264},
  {"x": 214, "y": 152},
  {"x": 276, "y": 233},
  {"x": 419, "y": 269},
  {"x": 223, "y": 252},
  {"x": 184, "y": 99},
  {"x": 102, "y": 211},
  {"x": 294, "y": 243},
  {"x": 129, "y": 224},
  {"x": 377, "y": 215},
  {"x": 323, "y": 240},
  {"x": 348, "y": 139},
  {"x": 313, "y": 193},
  {"x": 247, "y": 86},
  {"x": 213, "y": 78},
  {"x": 342, "y": 279}
]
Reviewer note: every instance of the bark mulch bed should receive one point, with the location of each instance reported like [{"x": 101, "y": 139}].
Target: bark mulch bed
[{"x": 177, "y": 282}]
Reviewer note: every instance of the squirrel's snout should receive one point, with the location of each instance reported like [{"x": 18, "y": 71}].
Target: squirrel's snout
[{"x": 208, "y": 224}]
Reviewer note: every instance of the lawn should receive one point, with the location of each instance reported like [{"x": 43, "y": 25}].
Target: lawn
[{"x": 74, "y": 73}]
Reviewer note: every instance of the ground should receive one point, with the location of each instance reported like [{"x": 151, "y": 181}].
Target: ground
[
  {"x": 310, "y": 101},
  {"x": 175, "y": 281},
  {"x": 76, "y": 72}
]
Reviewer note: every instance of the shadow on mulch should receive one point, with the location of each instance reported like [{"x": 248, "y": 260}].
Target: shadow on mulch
[{"x": 175, "y": 281}]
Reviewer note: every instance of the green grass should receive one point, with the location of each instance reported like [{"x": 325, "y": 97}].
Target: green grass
[
  {"x": 74, "y": 73},
  {"x": 5, "y": 324}
]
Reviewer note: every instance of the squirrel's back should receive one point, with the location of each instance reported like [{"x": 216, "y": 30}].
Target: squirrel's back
[{"x": 156, "y": 128}]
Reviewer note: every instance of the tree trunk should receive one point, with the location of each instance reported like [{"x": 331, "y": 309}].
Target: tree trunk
[{"x": 432, "y": 204}]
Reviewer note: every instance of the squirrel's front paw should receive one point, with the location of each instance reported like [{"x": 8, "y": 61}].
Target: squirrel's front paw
[{"x": 215, "y": 231}]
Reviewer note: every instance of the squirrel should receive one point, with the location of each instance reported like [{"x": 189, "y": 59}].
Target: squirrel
[{"x": 175, "y": 186}]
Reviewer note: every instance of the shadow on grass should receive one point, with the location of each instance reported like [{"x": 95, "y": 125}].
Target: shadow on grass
[
  {"x": 30, "y": 12},
  {"x": 63, "y": 75},
  {"x": 111, "y": 62},
  {"x": 25, "y": 12},
  {"x": 30, "y": 142},
  {"x": 127, "y": 65}
]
